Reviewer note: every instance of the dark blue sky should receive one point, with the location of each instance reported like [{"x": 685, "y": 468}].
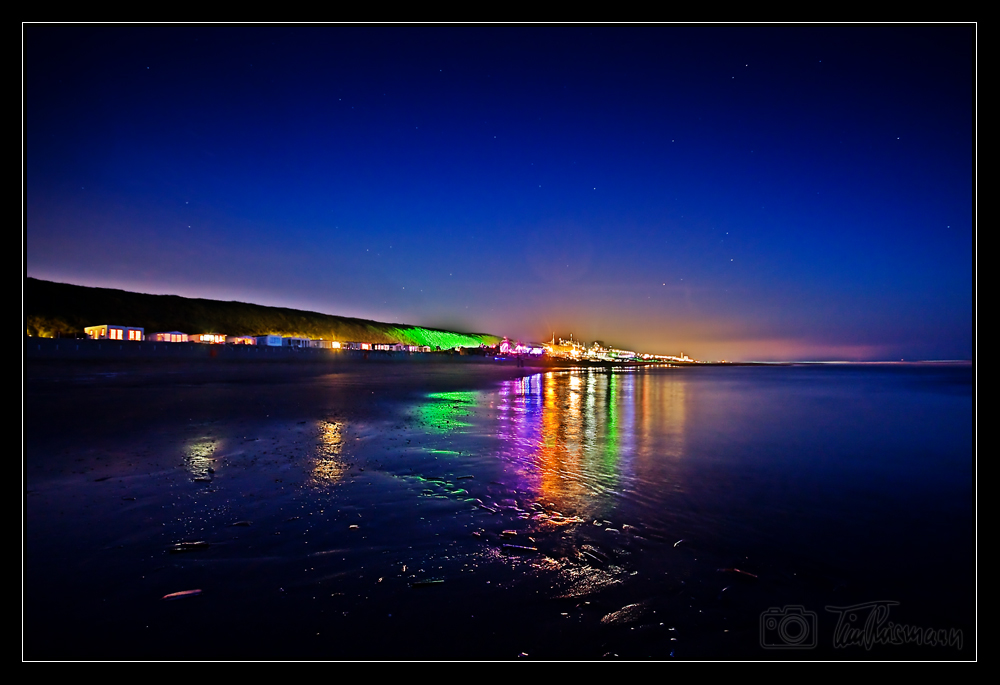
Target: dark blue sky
[{"x": 728, "y": 192}]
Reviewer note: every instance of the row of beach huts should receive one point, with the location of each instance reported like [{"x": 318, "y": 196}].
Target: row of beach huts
[{"x": 136, "y": 333}]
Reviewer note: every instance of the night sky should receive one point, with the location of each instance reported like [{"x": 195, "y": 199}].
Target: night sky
[{"x": 731, "y": 193}]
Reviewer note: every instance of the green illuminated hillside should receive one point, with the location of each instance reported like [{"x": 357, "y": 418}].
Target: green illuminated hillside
[{"x": 63, "y": 309}]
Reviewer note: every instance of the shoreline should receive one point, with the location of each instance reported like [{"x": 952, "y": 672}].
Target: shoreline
[
  {"x": 72, "y": 349},
  {"x": 83, "y": 350}
]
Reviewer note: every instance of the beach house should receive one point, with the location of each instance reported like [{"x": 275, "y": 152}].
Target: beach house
[
  {"x": 112, "y": 332},
  {"x": 169, "y": 336}
]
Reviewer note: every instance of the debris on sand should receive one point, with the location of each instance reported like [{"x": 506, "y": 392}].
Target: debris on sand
[
  {"x": 426, "y": 583},
  {"x": 626, "y": 614},
  {"x": 594, "y": 554},
  {"x": 181, "y": 595}
]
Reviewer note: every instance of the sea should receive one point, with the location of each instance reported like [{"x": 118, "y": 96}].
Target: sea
[{"x": 384, "y": 511}]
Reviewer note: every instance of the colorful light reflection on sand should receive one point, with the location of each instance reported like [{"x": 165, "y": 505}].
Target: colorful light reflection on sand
[
  {"x": 578, "y": 438},
  {"x": 198, "y": 457},
  {"x": 329, "y": 465},
  {"x": 445, "y": 412}
]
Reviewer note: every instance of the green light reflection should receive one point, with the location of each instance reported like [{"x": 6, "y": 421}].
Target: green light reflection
[{"x": 445, "y": 412}]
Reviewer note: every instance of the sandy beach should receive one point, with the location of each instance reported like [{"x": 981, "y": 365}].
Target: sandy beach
[
  {"x": 210, "y": 510},
  {"x": 276, "y": 468}
]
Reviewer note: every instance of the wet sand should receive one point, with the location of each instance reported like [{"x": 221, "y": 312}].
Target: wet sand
[
  {"x": 338, "y": 515},
  {"x": 124, "y": 461}
]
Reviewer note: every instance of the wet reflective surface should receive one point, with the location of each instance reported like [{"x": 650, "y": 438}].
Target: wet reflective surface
[{"x": 470, "y": 512}]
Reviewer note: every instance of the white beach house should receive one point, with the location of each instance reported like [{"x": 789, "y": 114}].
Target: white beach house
[
  {"x": 169, "y": 336},
  {"x": 112, "y": 332}
]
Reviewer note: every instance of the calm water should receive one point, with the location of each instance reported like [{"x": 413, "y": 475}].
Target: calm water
[{"x": 469, "y": 514}]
